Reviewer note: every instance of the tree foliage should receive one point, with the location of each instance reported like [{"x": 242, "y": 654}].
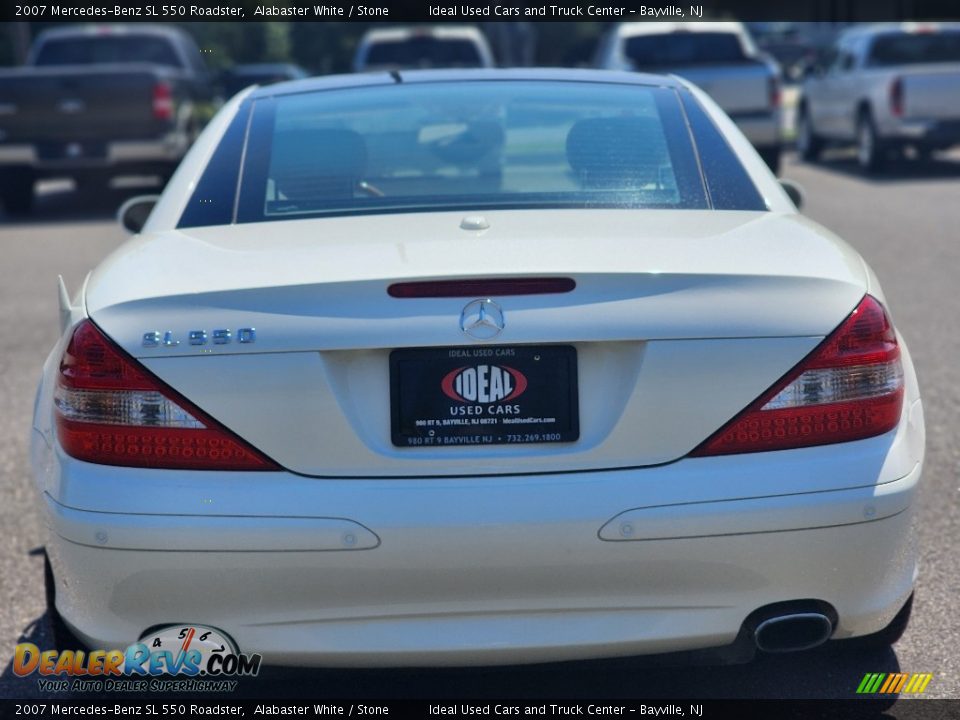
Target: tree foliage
[{"x": 328, "y": 47}]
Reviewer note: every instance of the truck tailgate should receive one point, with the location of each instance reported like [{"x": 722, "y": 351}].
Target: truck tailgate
[
  {"x": 79, "y": 103},
  {"x": 737, "y": 88},
  {"x": 932, "y": 93}
]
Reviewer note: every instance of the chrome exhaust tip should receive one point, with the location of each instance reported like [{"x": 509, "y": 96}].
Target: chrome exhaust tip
[{"x": 793, "y": 632}]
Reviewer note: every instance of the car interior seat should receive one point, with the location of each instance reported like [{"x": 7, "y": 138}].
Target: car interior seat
[
  {"x": 616, "y": 153},
  {"x": 311, "y": 166}
]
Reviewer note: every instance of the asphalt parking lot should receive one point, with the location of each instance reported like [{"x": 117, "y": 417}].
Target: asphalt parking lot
[{"x": 905, "y": 223}]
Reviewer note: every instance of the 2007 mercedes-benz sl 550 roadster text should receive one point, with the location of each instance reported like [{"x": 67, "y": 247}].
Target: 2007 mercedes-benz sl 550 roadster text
[{"x": 478, "y": 367}]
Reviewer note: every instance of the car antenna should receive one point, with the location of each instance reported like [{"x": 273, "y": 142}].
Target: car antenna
[{"x": 395, "y": 74}]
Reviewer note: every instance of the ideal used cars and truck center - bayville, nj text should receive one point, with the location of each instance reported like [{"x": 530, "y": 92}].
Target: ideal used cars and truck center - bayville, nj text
[{"x": 168, "y": 12}]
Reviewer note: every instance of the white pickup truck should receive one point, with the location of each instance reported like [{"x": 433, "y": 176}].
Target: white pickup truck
[
  {"x": 421, "y": 47},
  {"x": 885, "y": 88},
  {"x": 720, "y": 58}
]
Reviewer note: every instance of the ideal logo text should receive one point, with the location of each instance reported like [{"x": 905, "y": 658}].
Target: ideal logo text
[{"x": 484, "y": 384}]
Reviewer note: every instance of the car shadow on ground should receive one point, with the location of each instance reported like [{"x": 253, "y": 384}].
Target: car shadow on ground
[
  {"x": 936, "y": 168},
  {"x": 61, "y": 201},
  {"x": 831, "y": 672}
]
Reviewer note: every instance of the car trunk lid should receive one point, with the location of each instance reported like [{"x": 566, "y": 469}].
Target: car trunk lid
[{"x": 678, "y": 321}]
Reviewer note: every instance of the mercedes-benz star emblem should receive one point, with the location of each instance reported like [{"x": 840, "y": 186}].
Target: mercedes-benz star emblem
[{"x": 482, "y": 319}]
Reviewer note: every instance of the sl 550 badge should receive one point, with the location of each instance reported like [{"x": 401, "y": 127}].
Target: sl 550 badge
[{"x": 222, "y": 336}]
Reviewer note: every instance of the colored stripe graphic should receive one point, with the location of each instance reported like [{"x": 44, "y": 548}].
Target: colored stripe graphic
[
  {"x": 920, "y": 682},
  {"x": 893, "y": 683},
  {"x": 865, "y": 683}
]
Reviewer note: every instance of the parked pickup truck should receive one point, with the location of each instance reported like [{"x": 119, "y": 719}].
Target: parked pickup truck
[
  {"x": 884, "y": 88},
  {"x": 97, "y": 102},
  {"x": 420, "y": 47},
  {"x": 720, "y": 58}
]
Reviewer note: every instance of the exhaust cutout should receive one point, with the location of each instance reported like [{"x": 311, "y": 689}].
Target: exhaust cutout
[{"x": 793, "y": 632}]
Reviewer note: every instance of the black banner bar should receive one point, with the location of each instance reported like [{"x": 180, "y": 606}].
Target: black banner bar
[
  {"x": 470, "y": 10},
  {"x": 173, "y": 706}
]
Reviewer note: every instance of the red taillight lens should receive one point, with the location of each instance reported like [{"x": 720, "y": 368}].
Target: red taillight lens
[
  {"x": 774, "y": 92},
  {"x": 896, "y": 97},
  {"x": 112, "y": 411},
  {"x": 849, "y": 388},
  {"x": 162, "y": 101}
]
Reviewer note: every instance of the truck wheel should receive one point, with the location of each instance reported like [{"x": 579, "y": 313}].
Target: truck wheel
[
  {"x": 771, "y": 156},
  {"x": 870, "y": 151},
  {"x": 16, "y": 192},
  {"x": 809, "y": 144}
]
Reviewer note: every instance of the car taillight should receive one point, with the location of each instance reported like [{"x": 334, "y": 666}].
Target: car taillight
[
  {"x": 849, "y": 388},
  {"x": 112, "y": 411},
  {"x": 896, "y": 97},
  {"x": 162, "y": 101},
  {"x": 774, "y": 89}
]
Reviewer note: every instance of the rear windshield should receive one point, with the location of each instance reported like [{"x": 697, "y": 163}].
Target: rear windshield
[
  {"x": 684, "y": 48},
  {"x": 100, "y": 49},
  {"x": 915, "y": 48},
  {"x": 468, "y": 145},
  {"x": 439, "y": 145},
  {"x": 423, "y": 52}
]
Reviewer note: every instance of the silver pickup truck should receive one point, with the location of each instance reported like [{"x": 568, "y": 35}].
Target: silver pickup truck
[
  {"x": 720, "y": 58},
  {"x": 884, "y": 88}
]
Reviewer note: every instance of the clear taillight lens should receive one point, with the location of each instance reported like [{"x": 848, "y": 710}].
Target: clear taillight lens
[
  {"x": 849, "y": 388},
  {"x": 112, "y": 411}
]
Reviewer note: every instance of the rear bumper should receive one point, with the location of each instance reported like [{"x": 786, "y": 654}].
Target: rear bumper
[
  {"x": 938, "y": 133},
  {"x": 169, "y": 149},
  {"x": 480, "y": 571}
]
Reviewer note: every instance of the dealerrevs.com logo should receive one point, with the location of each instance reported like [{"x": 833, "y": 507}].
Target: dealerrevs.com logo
[
  {"x": 199, "y": 659},
  {"x": 484, "y": 384}
]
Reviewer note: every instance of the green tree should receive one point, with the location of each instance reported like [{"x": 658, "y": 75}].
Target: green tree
[
  {"x": 227, "y": 43},
  {"x": 14, "y": 42},
  {"x": 326, "y": 47}
]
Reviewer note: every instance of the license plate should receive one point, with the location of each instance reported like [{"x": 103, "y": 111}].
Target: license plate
[
  {"x": 442, "y": 397},
  {"x": 71, "y": 150}
]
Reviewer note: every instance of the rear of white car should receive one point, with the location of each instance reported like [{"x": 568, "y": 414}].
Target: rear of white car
[{"x": 351, "y": 435}]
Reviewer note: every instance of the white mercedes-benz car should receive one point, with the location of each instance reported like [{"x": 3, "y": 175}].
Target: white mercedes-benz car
[{"x": 478, "y": 367}]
